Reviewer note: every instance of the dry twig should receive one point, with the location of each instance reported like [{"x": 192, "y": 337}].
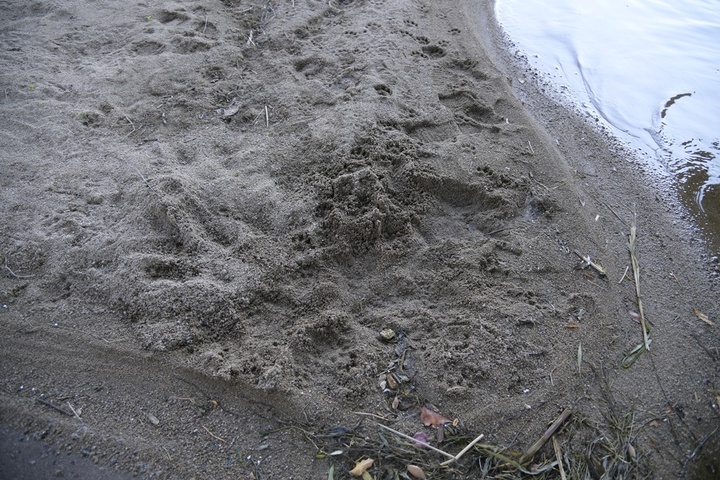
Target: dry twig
[
  {"x": 7, "y": 267},
  {"x": 213, "y": 435},
  {"x": 645, "y": 346},
  {"x": 77, "y": 415},
  {"x": 464, "y": 450},
  {"x": 546, "y": 436},
  {"x": 55, "y": 407},
  {"x": 419, "y": 442},
  {"x": 598, "y": 268},
  {"x": 558, "y": 455}
]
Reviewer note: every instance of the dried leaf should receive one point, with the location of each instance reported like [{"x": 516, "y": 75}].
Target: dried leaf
[
  {"x": 631, "y": 452},
  {"x": 421, "y": 437},
  {"x": 430, "y": 418},
  {"x": 634, "y": 354},
  {"x": 703, "y": 317},
  {"x": 579, "y": 357},
  {"x": 361, "y": 467},
  {"x": 395, "y": 402},
  {"x": 416, "y": 472}
]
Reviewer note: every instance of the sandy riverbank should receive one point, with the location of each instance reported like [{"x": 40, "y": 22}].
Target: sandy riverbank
[{"x": 212, "y": 209}]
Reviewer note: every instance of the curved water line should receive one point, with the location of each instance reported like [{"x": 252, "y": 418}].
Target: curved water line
[{"x": 650, "y": 73}]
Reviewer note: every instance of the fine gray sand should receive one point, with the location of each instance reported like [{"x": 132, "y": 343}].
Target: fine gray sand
[{"x": 212, "y": 209}]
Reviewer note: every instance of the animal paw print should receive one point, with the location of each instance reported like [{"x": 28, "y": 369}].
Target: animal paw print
[
  {"x": 383, "y": 90},
  {"x": 167, "y": 16},
  {"x": 433, "y": 51}
]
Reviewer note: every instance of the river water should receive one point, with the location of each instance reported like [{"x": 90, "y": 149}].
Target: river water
[{"x": 647, "y": 69}]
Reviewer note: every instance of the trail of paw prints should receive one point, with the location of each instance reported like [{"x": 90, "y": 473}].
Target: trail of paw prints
[
  {"x": 179, "y": 31},
  {"x": 470, "y": 90},
  {"x": 457, "y": 82},
  {"x": 343, "y": 67},
  {"x": 427, "y": 49},
  {"x": 471, "y": 113}
]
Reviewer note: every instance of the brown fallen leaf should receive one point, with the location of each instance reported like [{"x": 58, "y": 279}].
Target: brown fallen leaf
[
  {"x": 430, "y": 418},
  {"x": 361, "y": 467},
  {"x": 703, "y": 317}
]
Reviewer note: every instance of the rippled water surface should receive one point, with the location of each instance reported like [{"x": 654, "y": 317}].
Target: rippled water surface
[{"x": 650, "y": 69}]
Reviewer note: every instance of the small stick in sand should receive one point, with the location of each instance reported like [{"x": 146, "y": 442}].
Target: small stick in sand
[
  {"x": 531, "y": 149},
  {"x": 371, "y": 415},
  {"x": 546, "y": 436},
  {"x": 13, "y": 273},
  {"x": 624, "y": 275},
  {"x": 590, "y": 263},
  {"x": 74, "y": 411},
  {"x": 558, "y": 455},
  {"x": 267, "y": 117},
  {"x": 213, "y": 435},
  {"x": 55, "y": 407},
  {"x": 453, "y": 458},
  {"x": 131, "y": 124},
  {"x": 636, "y": 274},
  {"x": 463, "y": 451},
  {"x": 418, "y": 442},
  {"x": 147, "y": 184}
]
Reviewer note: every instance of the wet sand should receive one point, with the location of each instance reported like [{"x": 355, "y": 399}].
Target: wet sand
[{"x": 214, "y": 208}]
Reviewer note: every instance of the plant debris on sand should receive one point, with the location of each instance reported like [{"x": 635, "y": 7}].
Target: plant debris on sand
[{"x": 230, "y": 226}]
